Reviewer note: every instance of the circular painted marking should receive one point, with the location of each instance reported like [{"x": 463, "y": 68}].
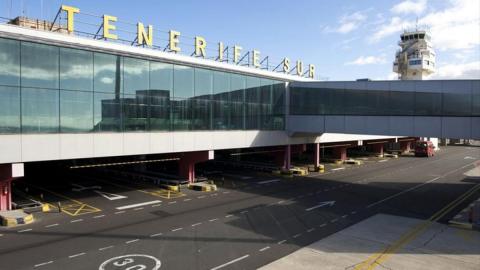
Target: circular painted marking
[{"x": 131, "y": 262}]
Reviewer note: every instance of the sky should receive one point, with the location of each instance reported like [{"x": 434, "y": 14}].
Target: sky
[{"x": 344, "y": 39}]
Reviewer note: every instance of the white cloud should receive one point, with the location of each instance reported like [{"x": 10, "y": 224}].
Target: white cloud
[
  {"x": 348, "y": 23},
  {"x": 367, "y": 60},
  {"x": 410, "y": 7},
  {"x": 395, "y": 25},
  {"x": 469, "y": 70}
]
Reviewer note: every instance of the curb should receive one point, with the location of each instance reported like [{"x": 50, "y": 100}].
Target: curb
[{"x": 11, "y": 221}]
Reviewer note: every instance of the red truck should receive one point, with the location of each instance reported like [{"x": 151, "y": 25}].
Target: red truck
[{"x": 424, "y": 149}]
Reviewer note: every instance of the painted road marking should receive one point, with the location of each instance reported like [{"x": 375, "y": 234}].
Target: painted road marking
[
  {"x": 322, "y": 204},
  {"x": 201, "y": 197},
  {"x": 26, "y": 230},
  {"x": 155, "y": 235},
  {"x": 119, "y": 212},
  {"x": 353, "y": 212},
  {"x": 186, "y": 200},
  {"x": 281, "y": 242},
  {"x": 172, "y": 202},
  {"x": 268, "y": 181},
  {"x": 263, "y": 249},
  {"x": 137, "y": 205},
  {"x": 323, "y": 225},
  {"x": 147, "y": 262},
  {"x": 213, "y": 219},
  {"x": 230, "y": 262},
  {"x": 104, "y": 248},
  {"x": 196, "y": 224},
  {"x": 139, "y": 208},
  {"x": 156, "y": 205},
  {"x": 42, "y": 264},
  {"x": 310, "y": 230},
  {"x": 110, "y": 196},
  {"x": 227, "y": 216},
  {"x": 383, "y": 160},
  {"x": 76, "y": 220},
  {"x": 334, "y": 220},
  {"x": 76, "y": 255},
  {"x": 132, "y": 241},
  {"x": 177, "y": 229},
  {"x": 344, "y": 216},
  {"x": 244, "y": 212},
  {"x": 51, "y": 225},
  {"x": 297, "y": 235},
  {"x": 338, "y": 169},
  {"x": 99, "y": 216}
]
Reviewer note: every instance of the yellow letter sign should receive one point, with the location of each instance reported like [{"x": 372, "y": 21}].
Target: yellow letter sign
[
  {"x": 107, "y": 26},
  {"x": 70, "y": 11}
]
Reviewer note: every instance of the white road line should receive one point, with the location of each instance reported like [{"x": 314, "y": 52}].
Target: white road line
[
  {"x": 268, "y": 181},
  {"x": 297, "y": 235},
  {"x": 226, "y": 192},
  {"x": 353, "y": 212},
  {"x": 155, "y": 235},
  {"x": 213, "y": 219},
  {"x": 51, "y": 225},
  {"x": 26, "y": 230},
  {"x": 139, "y": 208},
  {"x": 42, "y": 264},
  {"x": 344, "y": 216},
  {"x": 338, "y": 169},
  {"x": 103, "y": 248},
  {"x": 244, "y": 212},
  {"x": 323, "y": 225},
  {"x": 156, "y": 205},
  {"x": 172, "y": 202},
  {"x": 137, "y": 205},
  {"x": 186, "y": 200},
  {"x": 383, "y": 160},
  {"x": 99, "y": 216},
  {"x": 76, "y": 255},
  {"x": 403, "y": 192},
  {"x": 196, "y": 224},
  {"x": 230, "y": 262},
  {"x": 227, "y": 216},
  {"x": 119, "y": 212},
  {"x": 201, "y": 197},
  {"x": 76, "y": 220},
  {"x": 132, "y": 241},
  {"x": 263, "y": 249},
  {"x": 310, "y": 230},
  {"x": 334, "y": 220},
  {"x": 280, "y": 202},
  {"x": 281, "y": 242},
  {"x": 177, "y": 229}
]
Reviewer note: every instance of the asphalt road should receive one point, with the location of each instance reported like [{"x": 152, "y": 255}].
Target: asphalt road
[{"x": 248, "y": 223}]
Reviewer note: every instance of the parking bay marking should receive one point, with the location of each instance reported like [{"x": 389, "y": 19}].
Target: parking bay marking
[{"x": 322, "y": 204}]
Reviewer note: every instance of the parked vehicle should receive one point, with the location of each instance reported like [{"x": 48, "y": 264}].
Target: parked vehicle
[{"x": 424, "y": 149}]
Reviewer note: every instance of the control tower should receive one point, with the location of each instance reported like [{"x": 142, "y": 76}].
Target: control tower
[{"x": 416, "y": 58}]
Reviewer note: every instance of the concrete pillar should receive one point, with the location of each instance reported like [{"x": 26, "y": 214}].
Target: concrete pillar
[
  {"x": 378, "y": 149},
  {"x": 7, "y": 173},
  {"x": 316, "y": 155},
  {"x": 340, "y": 152},
  {"x": 186, "y": 164},
  {"x": 287, "y": 157}
]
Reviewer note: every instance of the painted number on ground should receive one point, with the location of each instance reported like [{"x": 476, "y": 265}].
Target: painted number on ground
[{"x": 131, "y": 262}]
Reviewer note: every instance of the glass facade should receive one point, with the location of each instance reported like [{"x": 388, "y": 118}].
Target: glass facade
[
  {"x": 50, "y": 89},
  {"x": 460, "y": 101}
]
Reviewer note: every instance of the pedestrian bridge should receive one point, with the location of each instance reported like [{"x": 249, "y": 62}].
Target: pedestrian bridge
[{"x": 432, "y": 108}]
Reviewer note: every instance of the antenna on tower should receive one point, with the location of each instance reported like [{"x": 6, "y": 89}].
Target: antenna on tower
[{"x": 416, "y": 24}]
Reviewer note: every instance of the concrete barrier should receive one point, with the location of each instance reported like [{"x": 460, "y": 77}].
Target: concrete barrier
[
  {"x": 15, "y": 217},
  {"x": 203, "y": 186}
]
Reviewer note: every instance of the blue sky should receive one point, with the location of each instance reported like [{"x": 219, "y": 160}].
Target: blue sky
[{"x": 345, "y": 39}]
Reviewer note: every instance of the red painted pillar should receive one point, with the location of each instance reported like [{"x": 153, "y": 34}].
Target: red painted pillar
[
  {"x": 186, "y": 164},
  {"x": 378, "y": 148},
  {"x": 340, "y": 152},
  {"x": 287, "y": 155},
  {"x": 316, "y": 155},
  {"x": 7, "y": 173}
]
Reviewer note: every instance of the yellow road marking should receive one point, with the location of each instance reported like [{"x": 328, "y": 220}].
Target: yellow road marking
[
  {"x": 70, "y": 209},
  {"x": 162, "y": 193},
  {"x": 380, "y": 257}
]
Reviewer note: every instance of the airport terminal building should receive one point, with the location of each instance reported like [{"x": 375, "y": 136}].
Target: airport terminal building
[{"x": 69, "y": 97}]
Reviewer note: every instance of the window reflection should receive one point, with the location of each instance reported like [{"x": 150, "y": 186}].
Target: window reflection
[
  {"x": 9, "y": 109},
  {"x": 76, "y": 69},
  {"x": 39, "y": 65},
  {"x": 10, "y": 62},
  {"x": 40, "y": 110}
]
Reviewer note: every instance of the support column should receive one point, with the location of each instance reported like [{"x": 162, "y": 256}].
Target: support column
[
  {"x": 340, "y": 152},
  {"x": 186, "y": 164},
  {"x": 316, "y": 155},
  {"x": 7, "y": 173},
  {"x": 287, "y": 157},
  {"x": 378, "y": 149}
]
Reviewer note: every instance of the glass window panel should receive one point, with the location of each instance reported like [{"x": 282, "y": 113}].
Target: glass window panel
[
  {"x": 76, "y": 69},
  {"x": 476, "y": 99},
  {"x": 161, "y": 77},
  {"x": 356, "y": 102},
  {"x": 237, "y": 105},
  {"x": 136, "y": 75},
  {"x": 39, "y": 65},
  {"x": 106, "y": 112},
  {"x": 203, "y": 83},
  {"x": 40, "y": 110},
  {"x": 428, "y": 103},
  {"x": 135, "y": 112},
  {"x": 76, "y": 111},
  {"x": 402, "y": 103},
  {"x": 107, "y": 73},
  {"x": 377, "y": 102},
  {"x": 181, "y": 114},
  {"x": 221, "y": 113},
  {"x": 159, "y": 110},
  {"x": 266, "y": 119},
  {"x": 278, "y": 98},
  {"x": 221, "y": 82},
  {"x": 183, "y": 86},
  {"x": 202, "y": 114},
  {"x": 252, "y": 103},
  {"x": 10, "y": 62},
  {"x": 457, "y": 104},
  {"x": 9, "y": 109},
  {"x": 332, "y": 100}
]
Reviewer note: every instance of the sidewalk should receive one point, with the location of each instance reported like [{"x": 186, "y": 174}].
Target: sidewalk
[{"x": 438, "y": 247}]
